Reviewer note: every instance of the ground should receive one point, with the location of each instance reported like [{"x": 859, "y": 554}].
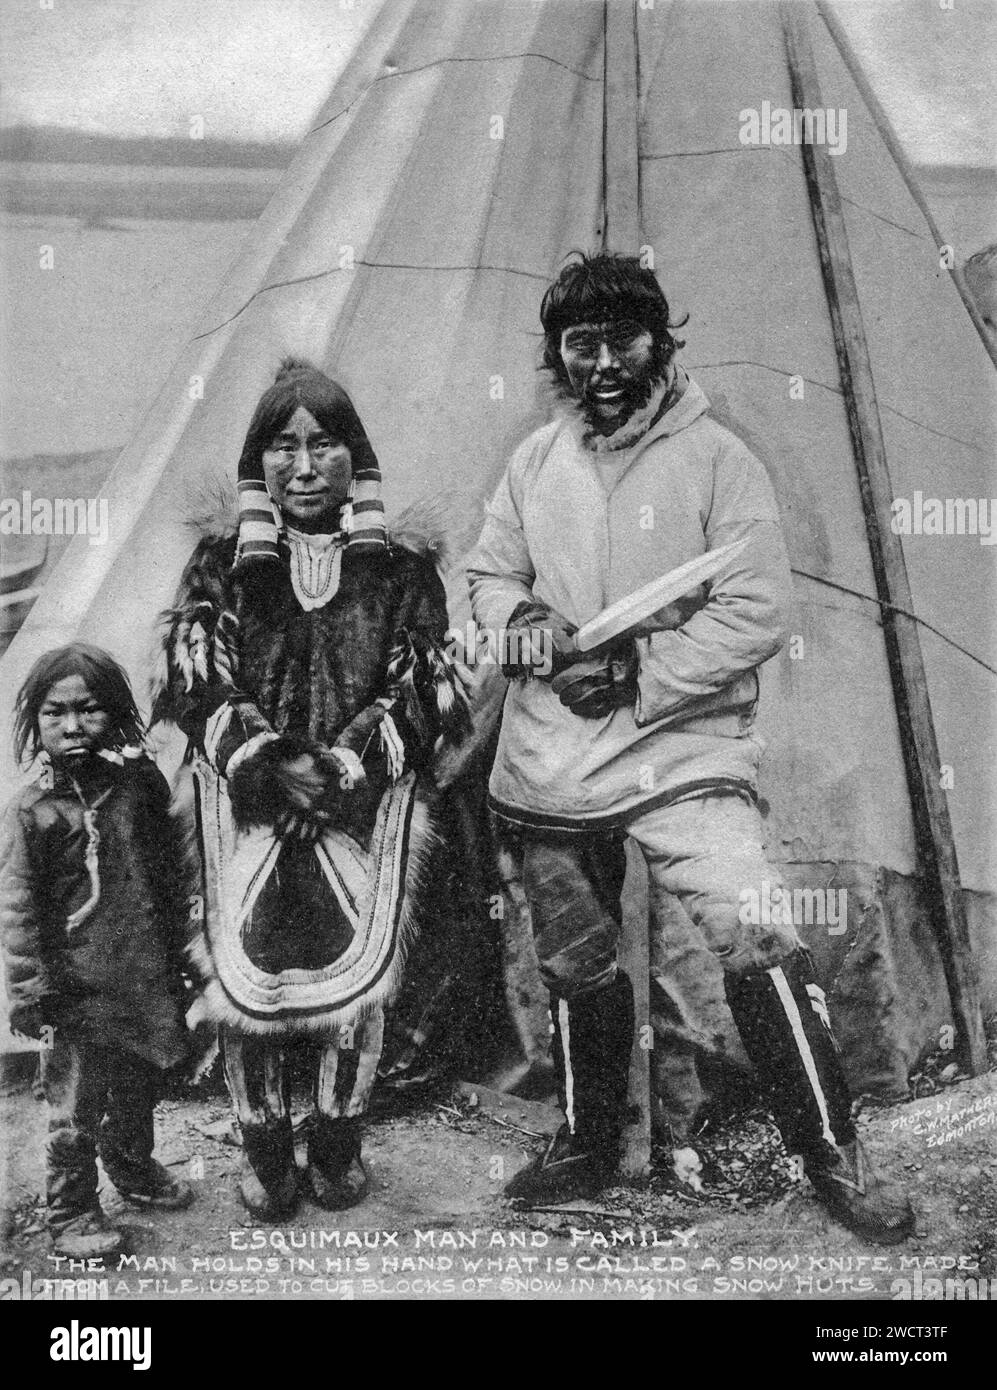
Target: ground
[{"x": 435, "y": 1225}]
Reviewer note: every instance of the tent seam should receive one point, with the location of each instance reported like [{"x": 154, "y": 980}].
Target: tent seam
[
  {"x": 370, "y": 265},
  {"x": 443, "y": 62}
]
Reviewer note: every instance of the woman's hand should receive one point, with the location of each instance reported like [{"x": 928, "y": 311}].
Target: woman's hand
[{"x": 304, "y": 783}]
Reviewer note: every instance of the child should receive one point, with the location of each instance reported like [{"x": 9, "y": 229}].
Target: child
[{"x": 91, "y": 912}]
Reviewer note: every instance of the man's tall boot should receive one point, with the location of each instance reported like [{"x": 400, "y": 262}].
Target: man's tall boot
[
  {"x": 782, "y": 1017},
  {"x": 592, "y": 1037}
]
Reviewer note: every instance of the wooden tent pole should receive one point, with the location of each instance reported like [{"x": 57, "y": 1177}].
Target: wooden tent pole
[
  {"x": 888, "y": 134},
  {"x": 620, "y": 169},
  {"x": 621, "y": 232},
  {"x": 932, "y": 823}
]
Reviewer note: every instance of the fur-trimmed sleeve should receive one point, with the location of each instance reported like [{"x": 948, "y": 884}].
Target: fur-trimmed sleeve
[
  {"x": 198, "y": 683},
  {"x": 426, "y": 683},
  {"x": 425, "y": 691}
]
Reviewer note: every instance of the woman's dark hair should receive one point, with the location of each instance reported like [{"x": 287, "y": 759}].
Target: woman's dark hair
[
  {"x": 596, "y": 289},
  {"x": 298, "y": 383},
  {"x": 103, "y": 677}
]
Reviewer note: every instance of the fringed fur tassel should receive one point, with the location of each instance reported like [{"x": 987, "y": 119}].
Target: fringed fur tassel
[{"x": 421, "y": 674}]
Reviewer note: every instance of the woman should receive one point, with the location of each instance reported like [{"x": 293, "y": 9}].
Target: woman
[{"x": 305, "y": 662}]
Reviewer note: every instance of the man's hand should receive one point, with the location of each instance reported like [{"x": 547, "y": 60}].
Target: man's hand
[
  {"x": 593, "y": 687},
  {"x": 26, "y": 1020},
  {"x": 538, "y": 642}
]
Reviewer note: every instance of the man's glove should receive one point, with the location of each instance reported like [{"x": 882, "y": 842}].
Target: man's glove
[
  {"x": 27, "y": 1020},
  {"x": 594, "y": 687},
  {"x": 537, "y": 642}
]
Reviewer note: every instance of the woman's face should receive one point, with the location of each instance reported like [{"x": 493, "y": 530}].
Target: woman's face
[{"x": 307, "y": 473}]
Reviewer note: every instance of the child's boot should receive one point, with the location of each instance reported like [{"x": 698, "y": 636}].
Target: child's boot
[
  {"x": 88, "y": 1236},
  {"x": 156, "y": 1188}
]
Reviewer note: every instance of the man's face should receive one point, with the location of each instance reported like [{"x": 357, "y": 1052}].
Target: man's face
[
  {"x": 72, "y": 724},
  {"x": 611, "y": 368},
  {"x": 307, "y": 473}
]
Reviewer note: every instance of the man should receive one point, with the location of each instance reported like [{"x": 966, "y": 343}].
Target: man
[
  {"x": 652, "y": 737},
  {"x": 304, "y": 660}
]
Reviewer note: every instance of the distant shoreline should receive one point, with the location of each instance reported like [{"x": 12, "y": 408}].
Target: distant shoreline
[
  {"x": 53, "y": 172},
  {"x": 58, "y": 145},
  {"x": 100, "y": 193},
  {"x": 191, "y": 192}
]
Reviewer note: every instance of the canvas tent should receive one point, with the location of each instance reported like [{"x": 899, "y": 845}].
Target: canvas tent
[{"x": 467, "y": 147}]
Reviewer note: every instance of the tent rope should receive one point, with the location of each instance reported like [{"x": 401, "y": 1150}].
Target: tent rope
[
  {"x": 894, "y": 608},
  {"x": 778, "y": 151},
  {"x": 837, "y": 391}
]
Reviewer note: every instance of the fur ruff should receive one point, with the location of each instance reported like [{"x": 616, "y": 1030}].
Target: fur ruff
[
  {"x": 213, "y": 510},
  {"x": 443, "y": 526},
  {"x": 633, "y": 428}
]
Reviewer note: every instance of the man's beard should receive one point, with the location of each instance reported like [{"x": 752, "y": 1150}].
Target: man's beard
[{"x": 637, "y": 391}]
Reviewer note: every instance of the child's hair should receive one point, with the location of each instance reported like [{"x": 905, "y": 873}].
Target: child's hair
[{"x": 103, "y": 677}]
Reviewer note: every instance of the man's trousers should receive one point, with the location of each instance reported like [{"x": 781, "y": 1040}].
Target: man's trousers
[{"x": 708, "y": 852}]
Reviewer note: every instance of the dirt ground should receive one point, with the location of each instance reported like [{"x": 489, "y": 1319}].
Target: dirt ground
[{"x": 435, "y": 1226}]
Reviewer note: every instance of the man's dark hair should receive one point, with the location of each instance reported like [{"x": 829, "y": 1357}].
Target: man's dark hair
[
  {"x": 601, "y": 287},
  {"x": 103, "y": 677}
]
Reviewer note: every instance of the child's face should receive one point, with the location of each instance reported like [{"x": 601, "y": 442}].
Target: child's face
[{"x": 71, "y": 723}]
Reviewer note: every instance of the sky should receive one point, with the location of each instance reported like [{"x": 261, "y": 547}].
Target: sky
[
  {"x": 259, "y": 70},
  {"x": 253, "y": 69}
]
